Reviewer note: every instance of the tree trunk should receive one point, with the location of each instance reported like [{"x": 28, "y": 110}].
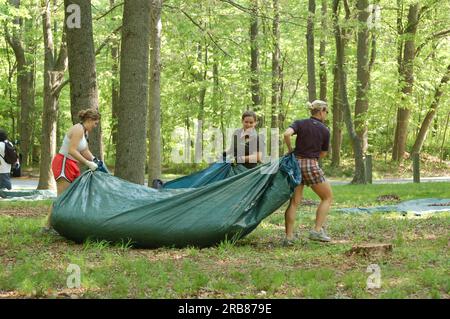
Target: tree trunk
[
  {"x": 49, "y": 114},
  {"x": 26, "y": 89},
  {"x": 281, "y": 94},
  {"x": 362, "y": 74},
  {"x": 360, "y": 176},
  {"x": 216, "y": 96},
  {"x": 201, "y": 78},
  {"x": 25, "y": 86},
  {"x": 8, "y": 92},
  {"x": 218, "y": 106},
  {"x": 336, "y": 141},
  {"x": 400, "y": 35},
  {"x": 281, "y": 112},
  {"x": 254, "y": 66},
  {"x": 134, "y": 58},
  {"x": 431, "y": 114},
  {"x": 275, "y": 72},
  {"x": 310, "y": 51},
  {"x": 82, "y": 70},
  {"x": 114, "y": 85},
  {"x": 114, "y": 91},
  {"x": 322, "y": 50},
  {"x": 53, "y": 75},
  {"x": 444, "y": 137},
  {"x": 154, "y": 119},
  {"x": 373, "y": 45},
  {"x": 338, "y": 116},
  {"x": 275, "y": 65},
  {"x": 399, "y": 63},
  {"x": 407, "y": 82}
]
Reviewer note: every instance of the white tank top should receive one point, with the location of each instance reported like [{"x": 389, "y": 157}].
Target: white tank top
[{"x": 64, "y": 150}]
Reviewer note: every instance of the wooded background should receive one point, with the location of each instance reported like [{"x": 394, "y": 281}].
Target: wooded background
[{"x": 152, "y": 66}]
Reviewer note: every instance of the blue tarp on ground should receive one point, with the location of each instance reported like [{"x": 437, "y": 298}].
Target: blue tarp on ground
[
  {"x": 417, "y": 207},
  {"x": 27, "y": 194}
]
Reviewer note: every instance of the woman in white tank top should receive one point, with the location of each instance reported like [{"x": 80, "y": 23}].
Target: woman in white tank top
[{"x": 74, "y": 150}]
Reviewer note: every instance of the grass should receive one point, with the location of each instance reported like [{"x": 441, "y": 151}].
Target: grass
[
  {"x": 356, "y": 195},
  {"x": 383, "y": 167},
  {"x": 35, "y": 265}
]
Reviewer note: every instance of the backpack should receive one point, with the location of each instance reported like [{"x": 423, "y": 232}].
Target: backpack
[
  {"x": 15, "y": 170},
  {"x": 10, "y": 156}
]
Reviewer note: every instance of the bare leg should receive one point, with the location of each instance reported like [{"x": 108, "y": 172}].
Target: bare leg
[
  {"x": 61, "y": 186},
  {"x": 326, "y": 196},
  {"x": 289, "y": 215}
]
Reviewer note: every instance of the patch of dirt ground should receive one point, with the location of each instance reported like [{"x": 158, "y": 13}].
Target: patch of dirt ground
[{"x": 24, "y": 211}]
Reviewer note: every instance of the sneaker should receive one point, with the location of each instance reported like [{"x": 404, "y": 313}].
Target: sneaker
[{"x": 319, "y": 235}]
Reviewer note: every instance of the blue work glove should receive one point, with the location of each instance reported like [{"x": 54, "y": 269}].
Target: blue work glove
[{"x": 101, "y": 165}]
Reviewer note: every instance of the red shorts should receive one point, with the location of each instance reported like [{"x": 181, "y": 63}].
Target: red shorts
[{"x": 64, "y": 167}]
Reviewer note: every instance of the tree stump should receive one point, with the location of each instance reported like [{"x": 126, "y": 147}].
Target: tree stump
[{"x": 368, "y": 250}]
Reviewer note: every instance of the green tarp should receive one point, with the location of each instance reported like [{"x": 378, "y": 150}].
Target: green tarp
[
  {"x": 100, "y": 206},
  {"x": 215, "y": 172}
]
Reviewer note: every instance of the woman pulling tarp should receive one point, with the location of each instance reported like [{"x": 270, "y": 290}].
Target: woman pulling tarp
[{"x": 244, "y": 153}]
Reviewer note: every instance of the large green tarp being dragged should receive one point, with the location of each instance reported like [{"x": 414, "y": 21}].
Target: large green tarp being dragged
[{"x": 101, "y": 206}]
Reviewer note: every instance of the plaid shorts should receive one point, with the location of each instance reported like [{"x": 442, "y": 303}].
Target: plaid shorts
[{"x": 311, "y": 172}]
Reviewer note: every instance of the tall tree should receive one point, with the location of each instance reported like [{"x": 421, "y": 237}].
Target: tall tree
[
  {"x": 219, "y": 107},
  {"x": 362, "y": 73},
  {"x": 420, "y": 139},
  {"x": 336, "y": 137},
  {"x": 322, "y": 51},
  {"x": 114, "y": 83},
  {"x": 337, "y": 108},
  {"x": 254, "y": 65},
  {"x": 276, "y": 76},
  {"x": 82, "y": 69},
  {"x": 12, "y": 67},
  {"x": 25, "y": 81},
  {"x": 406, "y": 69},
  {"x": 275, "y": 65},
  {"x": 134, "y": 59},
  {"x": 154, "y": 118},
  {"x": 360, "y": 176},
  {"x": 447, "y": 121},
  {"x": 54, "y": 68},
  {"x": 200, "y": 76},
  {"x": 217, "y": 99},
  {"x": 310, "y": 51}
]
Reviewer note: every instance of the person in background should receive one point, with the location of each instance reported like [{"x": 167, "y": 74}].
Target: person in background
[{"x": 5, "y": 168}]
